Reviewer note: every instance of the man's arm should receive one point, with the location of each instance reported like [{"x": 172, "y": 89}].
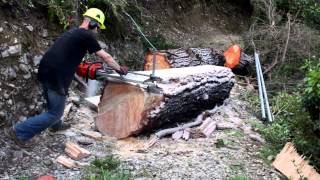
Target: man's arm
[{"x": 108, "y": 59}]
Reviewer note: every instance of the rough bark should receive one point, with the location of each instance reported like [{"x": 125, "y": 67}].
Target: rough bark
[
  {"x": 125, "y": 110},
  {"x": 177, "y": 58}
]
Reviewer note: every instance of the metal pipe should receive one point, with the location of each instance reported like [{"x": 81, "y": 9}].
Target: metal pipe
[
  {"x": 263, "y": 112},
  {"x": 264, "y": 91},
  {"x": 154, "y": 60}
]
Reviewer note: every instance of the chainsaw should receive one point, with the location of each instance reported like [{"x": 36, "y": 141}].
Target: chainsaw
[{"x": 96, "y": 71}]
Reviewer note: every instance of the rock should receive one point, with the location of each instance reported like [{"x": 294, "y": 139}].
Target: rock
[
  {"x": 75, "y": 99},
  {"x": 270, "y": 158},
  {"x": 15, "y": 50},
  {"x": 4, "y": 54},
  {"x": 102, "y": 44},
  {"x": 10, "y": 102},
  {"x": 44, "y": 33},
  {"x": 30, "y": 28},
  {"x": 6, "y": 96},
  {"x": 84, "y": 140},
  {"x": 257, "y": 137},
  {"x": 47, "y": 162},
  {"x": 226, "y": 125},
  {"x": 27, "y": 76},
  {"x": 1, "y": 29},
  {"x": 69, "y": 134},
  {"x": 24, "y": 68},
  {"x": 37, "y": 59},
  {"x": 2, "y": 114}
]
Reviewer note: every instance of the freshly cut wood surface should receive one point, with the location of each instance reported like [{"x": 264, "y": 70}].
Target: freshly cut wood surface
[
  {"x": 126, "y": 110},
  {"x": 75, "y": 151},
  {"x": 67, "y": 162},
  {"x": 294, "y": 166}
]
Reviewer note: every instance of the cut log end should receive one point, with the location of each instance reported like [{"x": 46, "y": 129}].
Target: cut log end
[
  {"x": 122, "y": 109},
  {"x": 161, "y": 61}
]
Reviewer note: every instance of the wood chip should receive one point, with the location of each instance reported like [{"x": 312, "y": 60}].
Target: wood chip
[
  {"x": 67, "y": 162},
  {"x": 209, "y": 128},
  {"x": 177, "y": 135},
  {"x": 186, "y": 134},
  {"x": 75, "y": 151}
]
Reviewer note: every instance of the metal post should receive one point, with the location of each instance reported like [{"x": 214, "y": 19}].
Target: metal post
[
  {"x": 154, "y": 60},
  {"x": 264, "y": 91},
  {"x": 263, "y": 111}
]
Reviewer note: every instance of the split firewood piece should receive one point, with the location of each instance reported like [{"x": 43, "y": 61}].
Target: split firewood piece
[
  {"x": 205, "y": 123},
  {"x": 209, "y": 127},
  {"x": 127, "y": 110},
  {"x": 186, "y": 134},
  {"x": 294, "y": 166},
  {"x": 177, "y": 135},
  {"x": 92, "y": 134},
  {"x": 75, "y": 151},
  {"x": 226, "y": 125},
  {"x": 67, "y": 162}
]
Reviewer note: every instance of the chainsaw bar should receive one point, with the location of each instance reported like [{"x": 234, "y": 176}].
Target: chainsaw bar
[{"x": 146, "y": 84}]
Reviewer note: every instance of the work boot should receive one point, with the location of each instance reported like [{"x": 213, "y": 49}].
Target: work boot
[
  {"x": 63, "y": 126},
  {"x": 11, "y": 134}
]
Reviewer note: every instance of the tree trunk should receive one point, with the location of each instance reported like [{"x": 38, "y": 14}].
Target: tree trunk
[
  {"x": 177, "y": 58},
  {"x": 126, "y": 110}
]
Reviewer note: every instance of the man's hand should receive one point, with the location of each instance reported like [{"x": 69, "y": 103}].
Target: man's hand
[{"x": 123, "y": 70}]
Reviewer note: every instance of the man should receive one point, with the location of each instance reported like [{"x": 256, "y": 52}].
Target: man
[{"x": 56, "y": 71}]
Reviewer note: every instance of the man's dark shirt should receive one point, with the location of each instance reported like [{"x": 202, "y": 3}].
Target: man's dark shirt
[{"x": 60, "y": 62}]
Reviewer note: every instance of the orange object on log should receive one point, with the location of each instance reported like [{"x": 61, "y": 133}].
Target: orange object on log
[
  {"x": 232, "y": 56},
  {"x": 161, "y": 61}
]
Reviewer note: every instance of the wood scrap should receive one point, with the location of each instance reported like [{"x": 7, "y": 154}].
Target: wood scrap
[
  {"x": 209, "y": 128},
  {"x": 177, "y": 135},
  {"x": 75, "y": 151},
  {"x": 294, "y": 166},
  {"x": 186, "y": 134},
  {"x": 67, "y": 162},
  {"x": 165, "y": 132},
  {"x": 92, "y": 134}
]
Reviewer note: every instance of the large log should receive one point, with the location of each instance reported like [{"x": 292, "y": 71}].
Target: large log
[
  {"x": 177, "y": 58},
  {"x": 126, "y": 110}
]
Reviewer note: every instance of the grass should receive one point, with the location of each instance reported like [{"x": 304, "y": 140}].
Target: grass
[
  {"x": 239, "y": 178},
  {"x": 236, "y": 134},
  {"x": 107, "y": 168}
]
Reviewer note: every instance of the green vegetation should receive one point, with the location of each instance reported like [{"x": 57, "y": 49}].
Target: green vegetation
[
  {"x": 239, "y": 178},
  {"x": 287, "y": 32},
  {"x": 307, "y": 10},
  {"x": 293, "y": 123},
  {"x": 105, "y": 169},
  {"x": 159, "y": 42}
]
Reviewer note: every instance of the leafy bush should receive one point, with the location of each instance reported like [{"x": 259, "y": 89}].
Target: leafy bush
[
  {"x": 293, "y": 124},
  {"x": 107, "y": 168},
  {"x": 311, "y": 96},
  {"x": 307, "y": 10}
]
